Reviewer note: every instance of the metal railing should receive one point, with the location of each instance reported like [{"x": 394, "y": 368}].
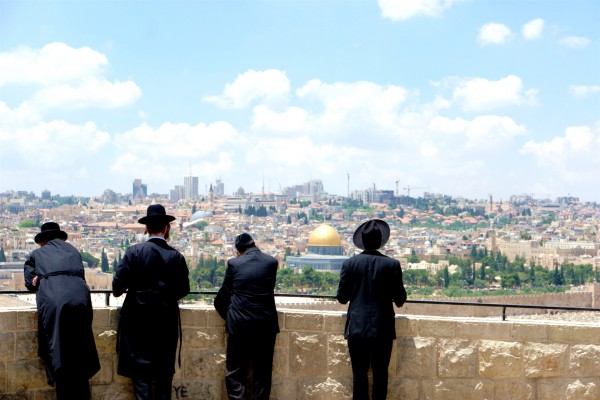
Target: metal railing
[{"x": 504, "y": 306}]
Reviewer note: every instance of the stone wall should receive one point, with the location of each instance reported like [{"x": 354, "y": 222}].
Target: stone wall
[{"x": 434, "y": 358}]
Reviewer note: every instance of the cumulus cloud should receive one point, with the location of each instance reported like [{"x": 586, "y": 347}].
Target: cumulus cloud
[
  {"x": 533, "y": 29},
  {"x": 402, "y": 10},
  {"x": 269, "y": 86},
  {"x": 293, "y": 119},
  {"x": 65, "y": 77},
  {"x": 486, "y": 131},
  {"x": 481, "y": 94},
  {"x": 572, "y": 156},
  {"x": 581, "y": 91},
  {"x": 575, "y": 42},
  {"x": 494, "y": 33}
]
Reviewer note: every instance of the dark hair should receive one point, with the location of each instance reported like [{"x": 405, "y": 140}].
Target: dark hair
[
  {"x": 156, "y": 226},
  {"x": 243, "y": 242}
]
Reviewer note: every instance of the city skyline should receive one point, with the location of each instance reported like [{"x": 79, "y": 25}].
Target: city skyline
[{"x": 464, "y": 98}]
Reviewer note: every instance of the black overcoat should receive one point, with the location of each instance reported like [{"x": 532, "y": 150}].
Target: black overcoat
[
  {"x": 155, "y": 276},
  {"x": 372, "y": 282},
  {"x": 246, "y": 299},
  {"x": 65, "y": 337}
]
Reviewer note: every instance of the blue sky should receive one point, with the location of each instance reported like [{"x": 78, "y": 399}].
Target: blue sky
[{"x": 466, "y": 98}]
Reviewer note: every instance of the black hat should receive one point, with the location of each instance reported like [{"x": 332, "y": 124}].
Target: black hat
[
  {"x": 49, "y": 231},
  {"x": 243, "y": 241},
  {"x": 156, "y": 212},
  {"x": 371, "y": 235}
]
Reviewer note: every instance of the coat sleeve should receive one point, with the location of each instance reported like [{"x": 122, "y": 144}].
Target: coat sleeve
[
  {"x": 29, "y": 272},
  {"x": 223, "y": 297},
  {"x": 122, "y": 277},
  {"x": 345, "y": 287},
  {"x": 182, "y": 279},
  {"x": 399, "y": 296}
]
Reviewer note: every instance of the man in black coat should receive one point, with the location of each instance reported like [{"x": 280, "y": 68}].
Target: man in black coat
[
  {"x": 372, "y": 282},
  {"x": 65, "y": 338},
  {"x": 247, "y": 303},
  {"x": 155, "y": 276}
]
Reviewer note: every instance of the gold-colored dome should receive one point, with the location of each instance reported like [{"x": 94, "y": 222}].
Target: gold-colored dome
[{"x": 324, "y": 235}]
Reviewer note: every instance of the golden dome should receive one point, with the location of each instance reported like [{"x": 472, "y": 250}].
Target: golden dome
[{"x": 324, "y": 235}]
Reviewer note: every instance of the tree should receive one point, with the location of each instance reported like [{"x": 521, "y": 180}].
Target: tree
[
  {"x": 446, "y": 277},
  {"x": 289, "y": 220},
  {"x": 2, "y": 255},
  {"x": 90, "y": 259},
  {"x": 103, "y": 261},
  {"x": 28, "y": 223}
]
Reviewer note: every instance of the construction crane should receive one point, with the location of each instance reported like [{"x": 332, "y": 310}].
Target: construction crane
[
  {"x": 397, "y": 188},
  {"x": 408, "y": 188}
]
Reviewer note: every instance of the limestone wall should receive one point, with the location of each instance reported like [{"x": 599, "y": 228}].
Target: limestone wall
[{"x": 434, "y": 358}]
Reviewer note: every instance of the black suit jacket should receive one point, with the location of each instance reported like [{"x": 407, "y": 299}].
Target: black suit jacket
[
  {"x": 371, "y": 282},
  {"x": 155, "y": 276},
  {"x": 247, "y": 300}
]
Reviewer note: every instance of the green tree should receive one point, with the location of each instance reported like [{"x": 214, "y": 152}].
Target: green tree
[
  {"x": 28, "y": 223},
  {"x": 104, "y": 261},
  {"x": 2, "y": 255},
  {"x": 90, "y": 259}
]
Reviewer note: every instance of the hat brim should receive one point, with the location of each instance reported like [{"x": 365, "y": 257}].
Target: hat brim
[
  {"x": 150, "y": 218},
  {"x": 50, "y": 234},
  {"x": 384, "y": 228}
]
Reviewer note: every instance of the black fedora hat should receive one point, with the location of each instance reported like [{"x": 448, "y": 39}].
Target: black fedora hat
[
  {"x": 371, "y": 235},
  {"x": 156, "y": 212},
  {"x": 49, "y": 231}
]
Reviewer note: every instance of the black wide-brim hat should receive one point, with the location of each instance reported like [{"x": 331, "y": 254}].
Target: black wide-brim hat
[
  {"x": 375, "y": 232},
  {"x": 156, "y": 212},
  {"x": 49, "y": 231}
]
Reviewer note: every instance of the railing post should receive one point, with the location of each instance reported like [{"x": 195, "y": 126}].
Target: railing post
[
  {"x": 107, "y": 299},
  {"x": 504, "y": 313}
]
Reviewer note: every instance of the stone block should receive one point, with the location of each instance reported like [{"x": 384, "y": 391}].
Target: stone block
[
  {"x": 281, "y": 362},
  {"x": 106, "y": 340},
  {"x": 463, "y": 389},
  {"x": 27, "y": 320},
  {"x": 544, "y": 360},
  {"x": 529, "y": 332},
  {"x": 574, "y": 334},
  {"x": 415, "y": 357},
  {"x": 457, "y": 358},
  {"x": 339, "y": 359},
  {"x": 484, "y": 330},
  {"x": 306, "y": 322},
  {"x": 194, "y": 317},
  {"x": 26, "y": 345},
  {"x": 25, "y": 375},
  {"x": 113, "y": 319},
  {"x": 2, "y": 377},
  {"x": 48, "y": 394},
  {"x": 500, "y": 359},
  {"x": 214, "y": 320},
  {"x": 569, "y": 389},
  {"x": 8, "y": 320},
  {"x": 308, "y": 355},
  {"x": 334, "y": 324},
  {"x": 206, "y": 389},
  {"x": 19, "y": 396},
  {"x": 7, "y": 346},
  {"x": 436, "y": 328},
  {"x": 283, "y": 388},
  {"x": 203, "y": 364},
  {"x": 514, "y": 389},
  {"x": 405, "y": 389},
  {"x": 203, "y": 338},
  {"x": 105, "y": 375},
  {"x": 406, "y": 326},
  {"x": 101, "y": 318},
  {"x": 282, "y": 340},
  {"x": 585, "y": 360},
  {"x": 323, "y": 389},
  {"x": 121, "y": 391}
]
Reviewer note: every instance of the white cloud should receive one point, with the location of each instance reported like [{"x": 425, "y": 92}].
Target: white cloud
[
  {"x": 575, "y": 42},
  {"x": 533, "y": 29},
  {"x": 55, "y": 63},
  {"x": 481, "y": 94},
  {"x": 269, "y": 86},
  {"x": 428, "y": 149},
  {"x": 293, "y": 119},
  {"x": 92, "y": 93},
  {"x": 68, "y": 78},
  {"x": 486, "y": 131},
  {"x": 494, "y": 33},
  {"x": 583, "y": 91},
  {"x": 402, "y": 10},
  {"x": 573, "y": 156}
]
